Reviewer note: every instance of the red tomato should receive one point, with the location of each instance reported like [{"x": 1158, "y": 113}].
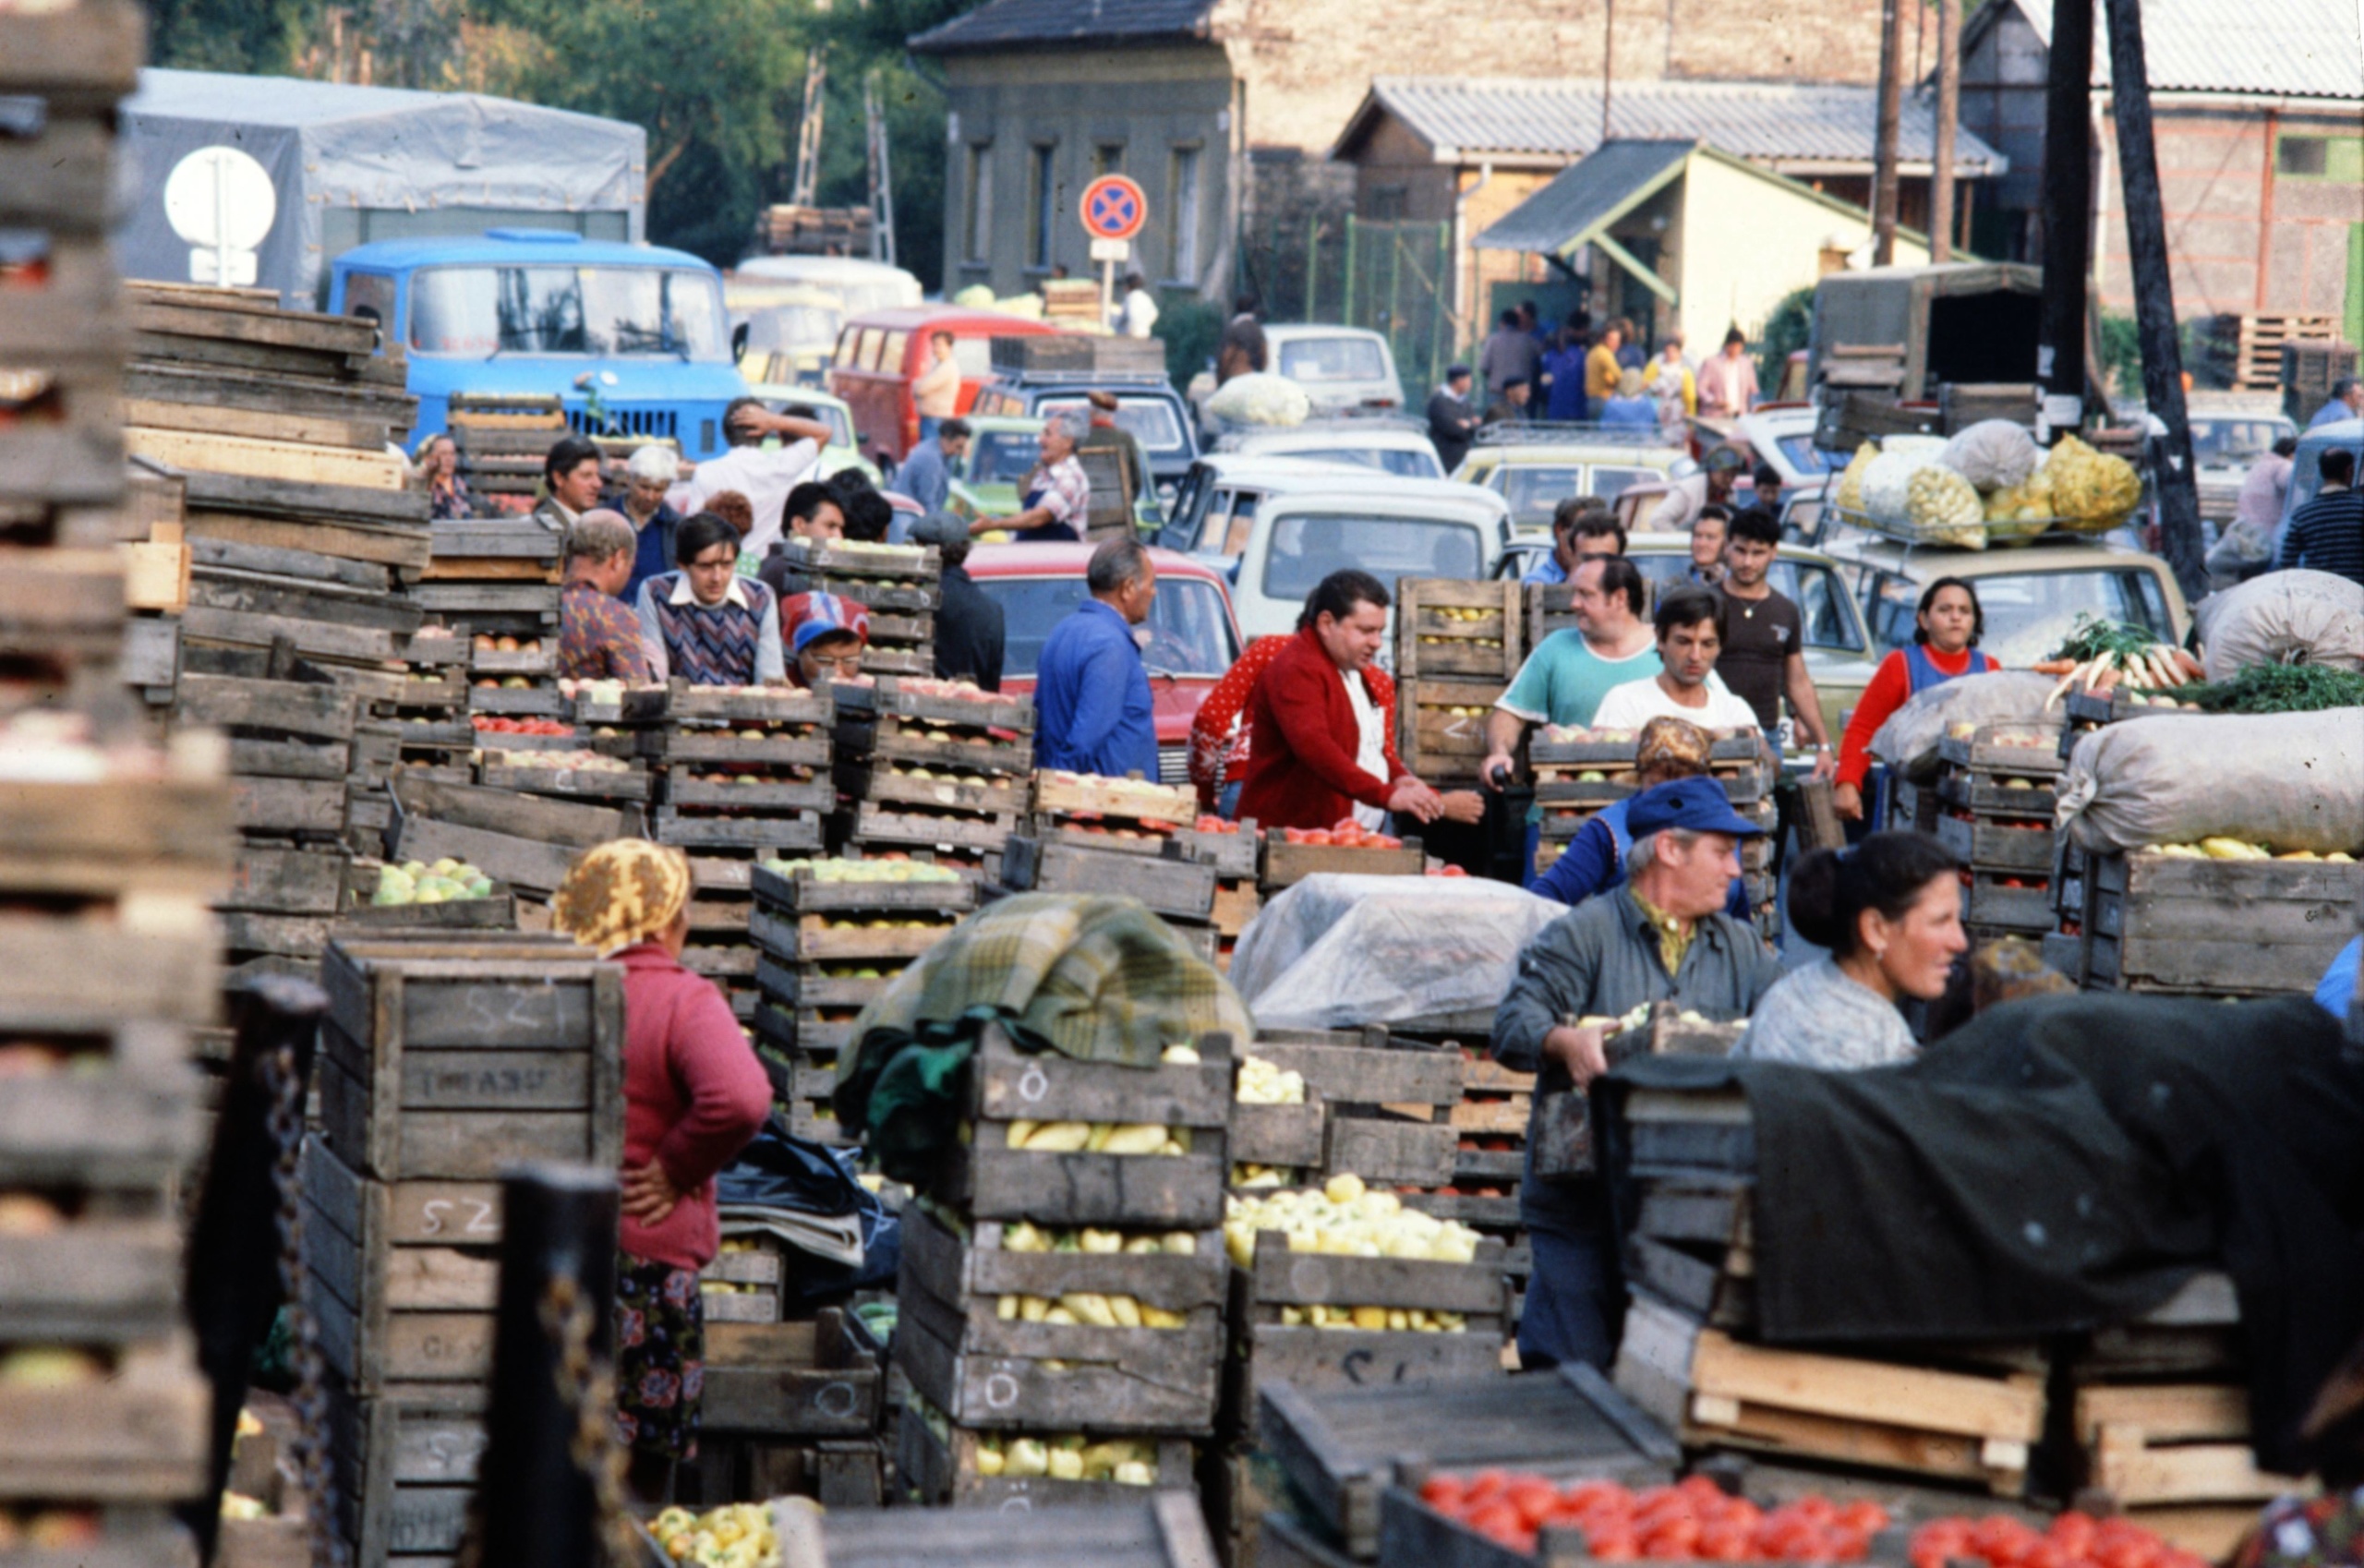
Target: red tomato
[
  {"x": 1442, "y": 1493},
  {"x": 1601, "y": 1494},
  {"x": 1700, "y": 1488},
  {"x": 1382, "y": 841},
  {"x": 1488, "y": 1484},
  {"x": 1612, "y": 1545},
  {"x": 1849, "y": 1544},
  {"x": 2073, "y": 1533},
  {"x": 1679, "y": 1539},
  {"x": 1496, "y": 1519},
  {"x": 1534, "y": 1502},
  {"x": 1814, "y": 1506},
  {"x": 1318, "y": 836}
]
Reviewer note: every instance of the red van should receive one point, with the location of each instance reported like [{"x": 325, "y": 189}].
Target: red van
[{"x": 881, "y": 352}]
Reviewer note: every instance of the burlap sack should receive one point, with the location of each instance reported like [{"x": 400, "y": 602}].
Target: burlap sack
[{"x": 2288, "y": 780}]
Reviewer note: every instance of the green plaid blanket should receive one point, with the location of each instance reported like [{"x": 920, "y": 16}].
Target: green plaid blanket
[{"x": 1096, "y": 978}]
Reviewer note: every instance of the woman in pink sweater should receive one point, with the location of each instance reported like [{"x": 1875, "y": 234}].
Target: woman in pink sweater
[{"x": 694, "y": 1096}]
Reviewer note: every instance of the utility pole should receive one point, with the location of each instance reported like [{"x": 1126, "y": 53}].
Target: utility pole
[
  {"x": 808, "y": 131},
  {"x": 1884, "y": 131},
  {"x": 1608, "y": 59},
  {"x": 1941, "y": 160},
  {"x": 2155, "y": 305},
  {"x": 882, "y": 174},
  {"x": 2067, "y": 212}
]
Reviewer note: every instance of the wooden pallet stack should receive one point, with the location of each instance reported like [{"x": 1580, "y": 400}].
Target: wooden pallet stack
[
  {"x": 933, "y": 768},
  {"x": 745, "y": 778},
  {"x": 109, "y": 967},
  {"x": 442, "y": 1060},
  {"x": 1122, "y": 837},
  {"x": 493, "y": 583},
  {"x": 1969, "y": 1414},
  {"x": 1995, "y": 790},
  {"x": 1458, "y": 646},
  {"x": 897, "y": 584},
  {"x": 830, "y": 935},
  {"x": 789, "y": 1407},
  {"x": 2180, "y": 926},
  {"x": 1062, "y": 1308},
  {"x": 503, "y": 439}
]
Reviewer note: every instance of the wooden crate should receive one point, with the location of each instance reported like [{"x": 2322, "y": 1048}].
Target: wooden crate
[
  {"x": 2000, "y": 903},
  {"x": 1340, "y": 1448},
  {"x": 995, "y": 795},
  {"x": 1441, "y": 725},
  {"x": 760, "y": 704},
  {"x": 915, "y": 563},
  {"x": 801, "y": 1380},
  {"x": 941, "y": 1468},
  {"x": 1310, "y": 1358},
  {"x": 2182, "y": 1443},
  {"x": 1170, "y": 884},
  {"x": 1998, "y": 846},
  {"x": 1549, "y": 608},
  {"x": 438, "y": 1064},
  {"x": 688, "y": 796},
  {"x": 111, "y": 1275},
  {"x": 565, "y": 783},
  {"x": 1446, "y": 626},
  {"x": 138, "y": 1435},
  {"x": 93, "y": 973},
  {"x": 983, "y": 710},
  {"x": 403, "y": 1275},
  {"x": 2217, "y": 928},
  {"x": 406, "y": 1461},
  {"x": 2005, "y": 751},
  {"x": 1071, "y": 794},
  {"x": 1973, "y": 1426},
  {"x": 874, "y": 824},
  {"x": 780, "y": 831},
  {"x": 1235, "y": 905},
  {"x": 1286, "y": 864},
  {"x": 95, "y": 840},
  {"x": 989, "y": 1180},
  {"x": 938, "y": 743},
  {"x": 784, "y": 745},
  {"x": 1410, "y": 1145},
  {"x": 990, "y": 1373},
  {"x": 843, "y": 936},
  {"x": 1291, "y": 1136}
]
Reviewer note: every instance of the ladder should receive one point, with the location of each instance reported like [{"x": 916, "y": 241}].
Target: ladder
[{"x": 881, "y": 176}]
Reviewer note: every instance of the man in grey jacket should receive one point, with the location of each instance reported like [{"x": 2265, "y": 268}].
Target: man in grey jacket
[{"x": 1662, "y": 935}]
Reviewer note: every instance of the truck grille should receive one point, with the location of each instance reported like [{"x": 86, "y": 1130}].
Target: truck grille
[{"x": 655, "y": 422}]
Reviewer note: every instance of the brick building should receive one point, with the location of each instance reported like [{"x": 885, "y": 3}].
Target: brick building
[
  {"x": 1225, "y": 108},
  {"x": 1468, "y": 149},
  {"x": 2259, "y": 124}
]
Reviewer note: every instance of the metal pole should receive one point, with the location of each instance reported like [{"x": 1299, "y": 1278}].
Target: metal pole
[
  {"x": 1884, "y": 133},
  {"x": 2068, "y": 212},
  {"x": 1348, "y": 314},
  {"x": 2155, "y": 306},
  {"x": 541, "y": 1505},
  {"x": 1941, "y": 163},
  {"x": 1608, "y": 59},
  {"x": 1437, "y": 313},
  {"x": 1312, "y": 267}
]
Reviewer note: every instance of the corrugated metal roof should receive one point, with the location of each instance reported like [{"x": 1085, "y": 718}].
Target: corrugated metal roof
[
  {"x": 1003, "y": 23},
  {"x": 2302, "y": 48},
  {"x": 1763, "y": 120},
  {"x": 1586, "y": 197}
]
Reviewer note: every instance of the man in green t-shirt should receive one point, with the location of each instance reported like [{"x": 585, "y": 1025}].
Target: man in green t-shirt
[{"x": 1565, "y": 678}]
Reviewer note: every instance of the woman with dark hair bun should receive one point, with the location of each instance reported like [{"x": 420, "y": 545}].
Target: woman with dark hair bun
[{"x": 1889, "y": 909}]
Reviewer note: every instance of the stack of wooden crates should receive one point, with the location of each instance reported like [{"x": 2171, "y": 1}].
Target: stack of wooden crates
[
  {"x": 1123, "y": 837},
  {"x": 441, "y": 1061},
  {"x": 1458, "y": 645},
  {"x": 924, "y": 772},
  {"x": 991, "y": 1368},
  {"x": 897, "y": 583},
  {"x": 1995, "y": 791},
  {"x": 110, "y": 849}
]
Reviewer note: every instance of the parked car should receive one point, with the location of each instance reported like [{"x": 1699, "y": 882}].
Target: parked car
[
  {"x": 2030, "y": 596},
  {"x": 844, "y": 448},
  {"x": 856, "y": 283},
  {"x": 2305, "y": 471},
  {"x": 1217, "y": 499},
  {"x": 1003, "y": 449},
  {"x": 1279, "y": 530},
  {"x": 1400, "y": 447},
  {"x": 1534, "y": 468},
  {"x": 631, "y": 337},
  {"x": 1342, "y": 369},
  {"x": 1193, "y": 638},
  {"x": 881, "y": 352},
  {"x": 790, "y": 330},
  {"x": 1148, "y": 409},
  {"x": 1838, "y": 645}
]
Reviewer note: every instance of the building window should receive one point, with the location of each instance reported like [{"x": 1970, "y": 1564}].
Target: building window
[
  {"x": 1182, "y": 186},
  {"x": 1390, "y": 202},
  {"x": 1041, "y": 199},
  {"x": 977, "y": 233},
  {"x": 2320, "y": 158},
  {"x": 1107, "y": 158}
]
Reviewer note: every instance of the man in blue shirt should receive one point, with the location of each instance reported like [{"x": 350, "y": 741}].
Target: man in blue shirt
[
  {"x": 1091, "y": 701},
  {"x": 2346, "y": 402},
  {"x": 926, "y": 475}
]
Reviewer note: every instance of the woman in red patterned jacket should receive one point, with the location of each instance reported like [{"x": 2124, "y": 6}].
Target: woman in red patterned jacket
[{"x": 1219, "y": 734}]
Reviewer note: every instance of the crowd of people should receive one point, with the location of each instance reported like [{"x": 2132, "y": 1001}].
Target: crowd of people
[{"x": 1579, "y": 373}]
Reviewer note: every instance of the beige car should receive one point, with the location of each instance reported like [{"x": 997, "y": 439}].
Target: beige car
[{"x": 2030, "y": 596}]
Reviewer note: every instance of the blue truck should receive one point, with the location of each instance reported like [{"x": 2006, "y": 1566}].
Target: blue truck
[{"x": 631, "y": 337}]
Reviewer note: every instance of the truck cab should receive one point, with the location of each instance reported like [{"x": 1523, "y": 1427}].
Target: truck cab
[{"x": 631, "y": 338}]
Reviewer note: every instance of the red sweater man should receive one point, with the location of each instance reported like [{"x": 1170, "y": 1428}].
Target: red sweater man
[{"x": 1306, "y": 732}]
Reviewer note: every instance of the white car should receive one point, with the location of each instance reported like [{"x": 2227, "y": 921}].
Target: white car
[
  {"x": 1342, "y": 369},
  {"x": 1308, "y": 528},
  {"x": 1400, "y": 447}
]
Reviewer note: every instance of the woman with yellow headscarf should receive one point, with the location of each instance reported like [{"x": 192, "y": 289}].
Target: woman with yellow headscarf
[{"x": 693, "y": 1095}]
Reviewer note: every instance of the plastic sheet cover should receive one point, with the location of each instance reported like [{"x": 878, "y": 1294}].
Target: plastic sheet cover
[
  {"x": 1909, "y": 740},
  {"x": 1336, "y": 952}
]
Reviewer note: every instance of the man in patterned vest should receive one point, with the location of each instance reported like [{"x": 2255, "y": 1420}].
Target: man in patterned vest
[{"x": 705, "y": 625}]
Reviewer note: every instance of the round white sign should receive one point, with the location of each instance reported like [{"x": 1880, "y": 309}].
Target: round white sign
[{"x": 219, "y": 197}]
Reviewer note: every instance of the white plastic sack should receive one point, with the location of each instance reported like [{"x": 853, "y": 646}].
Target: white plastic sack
[
  {"x": 1887, "y": 481},
  {"x": 1338, "y": 952},
  {"x": 1908, "y": 742},
  {"x": 1260, "y": 398},
  {"x": 2282, "y": 618},
  {"x": 1993, "y": 454},
  {"x": 2290, "y": 780}
]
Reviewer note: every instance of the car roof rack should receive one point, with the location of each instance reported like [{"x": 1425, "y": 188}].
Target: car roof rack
[{"x": 1538, "y": 433}]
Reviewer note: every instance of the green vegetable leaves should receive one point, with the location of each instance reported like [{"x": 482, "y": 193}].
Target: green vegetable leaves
[{"x": 2279, "y": 688}]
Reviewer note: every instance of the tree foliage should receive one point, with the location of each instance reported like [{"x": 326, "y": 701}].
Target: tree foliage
[{"x": 717, "y": 85}]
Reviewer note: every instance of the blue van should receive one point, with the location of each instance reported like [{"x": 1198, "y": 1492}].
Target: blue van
[{"x": 632, "y": 337}]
